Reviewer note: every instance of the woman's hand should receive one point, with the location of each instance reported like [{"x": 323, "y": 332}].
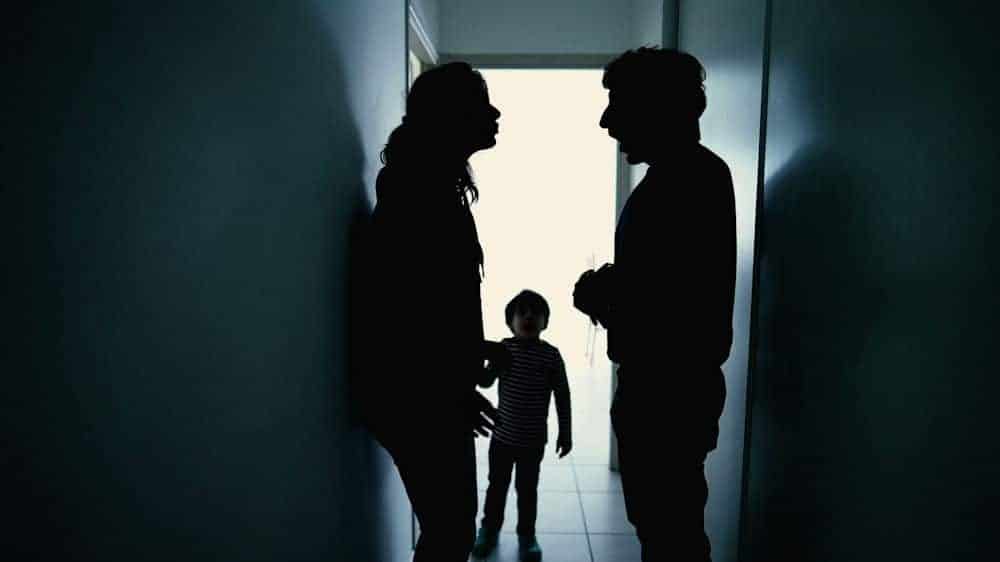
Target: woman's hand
[
  {"x": 497, "y": 356},
  {"x": 482, "y": 415},
  {"x": 497, "y": 359}
]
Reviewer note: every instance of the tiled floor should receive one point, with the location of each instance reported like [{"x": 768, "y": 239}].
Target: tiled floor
[{"x": 581, "y": 513}]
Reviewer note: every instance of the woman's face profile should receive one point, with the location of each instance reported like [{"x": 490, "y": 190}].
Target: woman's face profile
[{"x": 477, "y": 122}]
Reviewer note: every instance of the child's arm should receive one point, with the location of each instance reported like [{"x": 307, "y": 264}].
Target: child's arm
[{"x": 560, "y": 387}]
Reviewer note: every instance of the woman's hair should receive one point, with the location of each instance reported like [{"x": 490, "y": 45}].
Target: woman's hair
[{"x": 434, "y": 103}]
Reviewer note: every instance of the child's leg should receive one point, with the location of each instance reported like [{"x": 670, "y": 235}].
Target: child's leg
[
  {"x": 529, "y": 463},
  {"x": 501, "y": 464}
]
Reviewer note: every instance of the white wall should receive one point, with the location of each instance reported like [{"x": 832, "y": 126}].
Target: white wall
[
  {"x": 180, "y": 184},
  {"x": 560, "y": 27},
  {"x": 532, "y": 27},
  {"x": 647, "y": 22},
  {"x": 727, "y": 36}
]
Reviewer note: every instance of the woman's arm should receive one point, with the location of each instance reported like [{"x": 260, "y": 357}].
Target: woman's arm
[{"x": 497, "y": 362}]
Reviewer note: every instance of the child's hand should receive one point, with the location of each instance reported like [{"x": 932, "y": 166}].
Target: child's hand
[{"x": 563, "y": 447}]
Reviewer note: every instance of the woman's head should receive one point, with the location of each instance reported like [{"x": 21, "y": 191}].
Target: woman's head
[
  {"x": 448, "y": 118},
  {"x": 451, "y": 104}
]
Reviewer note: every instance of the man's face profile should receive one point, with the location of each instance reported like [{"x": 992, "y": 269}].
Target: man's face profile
[{"x": 634, "y": 122}]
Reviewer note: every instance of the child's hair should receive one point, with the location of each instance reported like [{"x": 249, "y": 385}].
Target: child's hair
[{"x": 527, "y": 300}]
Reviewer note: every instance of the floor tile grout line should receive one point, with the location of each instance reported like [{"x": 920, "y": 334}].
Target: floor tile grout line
[{"x": 583, "y": 514}]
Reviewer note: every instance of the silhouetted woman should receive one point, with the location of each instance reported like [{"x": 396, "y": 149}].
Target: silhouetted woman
[{"x": 423, "y": 312}]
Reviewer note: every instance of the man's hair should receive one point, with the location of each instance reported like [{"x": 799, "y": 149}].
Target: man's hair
[
  {"x": 674, "y": 77},
  {"x": 527, "y": 300}
]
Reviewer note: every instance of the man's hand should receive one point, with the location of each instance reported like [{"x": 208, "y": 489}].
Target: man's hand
[
  {"x": 481, "y": 414},
  {"x": 592, "y": 292},
  {"x": 563, "y": 447},
  {"x": 583, "y": 294}
]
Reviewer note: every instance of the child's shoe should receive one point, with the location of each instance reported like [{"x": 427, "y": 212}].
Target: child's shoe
[
  {"x": 486, "y": 541},
  {"x": 528, "y": 549}
]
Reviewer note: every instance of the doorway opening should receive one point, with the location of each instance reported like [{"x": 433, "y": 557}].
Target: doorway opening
[{"x": 546, "y": 213}]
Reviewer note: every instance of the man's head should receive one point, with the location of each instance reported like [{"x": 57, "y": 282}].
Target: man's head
[
  {"x": 527, "y": 314},
  {"x": 655, "y": 97}
]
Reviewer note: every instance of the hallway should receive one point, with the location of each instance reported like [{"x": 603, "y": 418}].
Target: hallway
[
  {"x": 185, "y": 189},
  {"x": 581, "y": 513}
]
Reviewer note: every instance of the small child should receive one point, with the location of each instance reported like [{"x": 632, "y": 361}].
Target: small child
[{"x": 535, "y": 371}]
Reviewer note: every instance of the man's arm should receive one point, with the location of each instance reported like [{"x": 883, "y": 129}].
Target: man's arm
[{"x": 676, "y": 304}]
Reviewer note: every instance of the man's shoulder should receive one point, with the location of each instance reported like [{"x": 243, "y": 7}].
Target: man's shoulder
[
  {"x": 716, "y": 191},
  {"x": 696, "y": 167},
  {"x": 709, "y": 159}
]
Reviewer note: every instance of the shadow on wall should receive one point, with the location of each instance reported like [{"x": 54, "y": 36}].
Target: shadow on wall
[
  {"x": 873, "y": 385},
  {"x": 180, "y": 197},
  {"x": 818, "y": 298},
  {"x": 870, "y": 388}
]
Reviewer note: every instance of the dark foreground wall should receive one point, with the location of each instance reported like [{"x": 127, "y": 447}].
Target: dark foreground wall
[
  {"x": 875, "y": 387},
  {"x": 179, "y": 185}
]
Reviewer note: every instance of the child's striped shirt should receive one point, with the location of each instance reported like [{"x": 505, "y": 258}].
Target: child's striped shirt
[{"x": 536, "y": 371}]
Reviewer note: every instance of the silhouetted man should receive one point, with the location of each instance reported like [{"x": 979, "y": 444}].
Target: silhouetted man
[{"x": 667, "y": 301}]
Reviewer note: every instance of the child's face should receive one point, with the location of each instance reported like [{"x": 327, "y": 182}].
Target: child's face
[{"x": 528, "y": 324}]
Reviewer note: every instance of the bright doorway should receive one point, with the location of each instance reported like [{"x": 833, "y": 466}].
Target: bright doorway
[{"x": 547, "y": 213}]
